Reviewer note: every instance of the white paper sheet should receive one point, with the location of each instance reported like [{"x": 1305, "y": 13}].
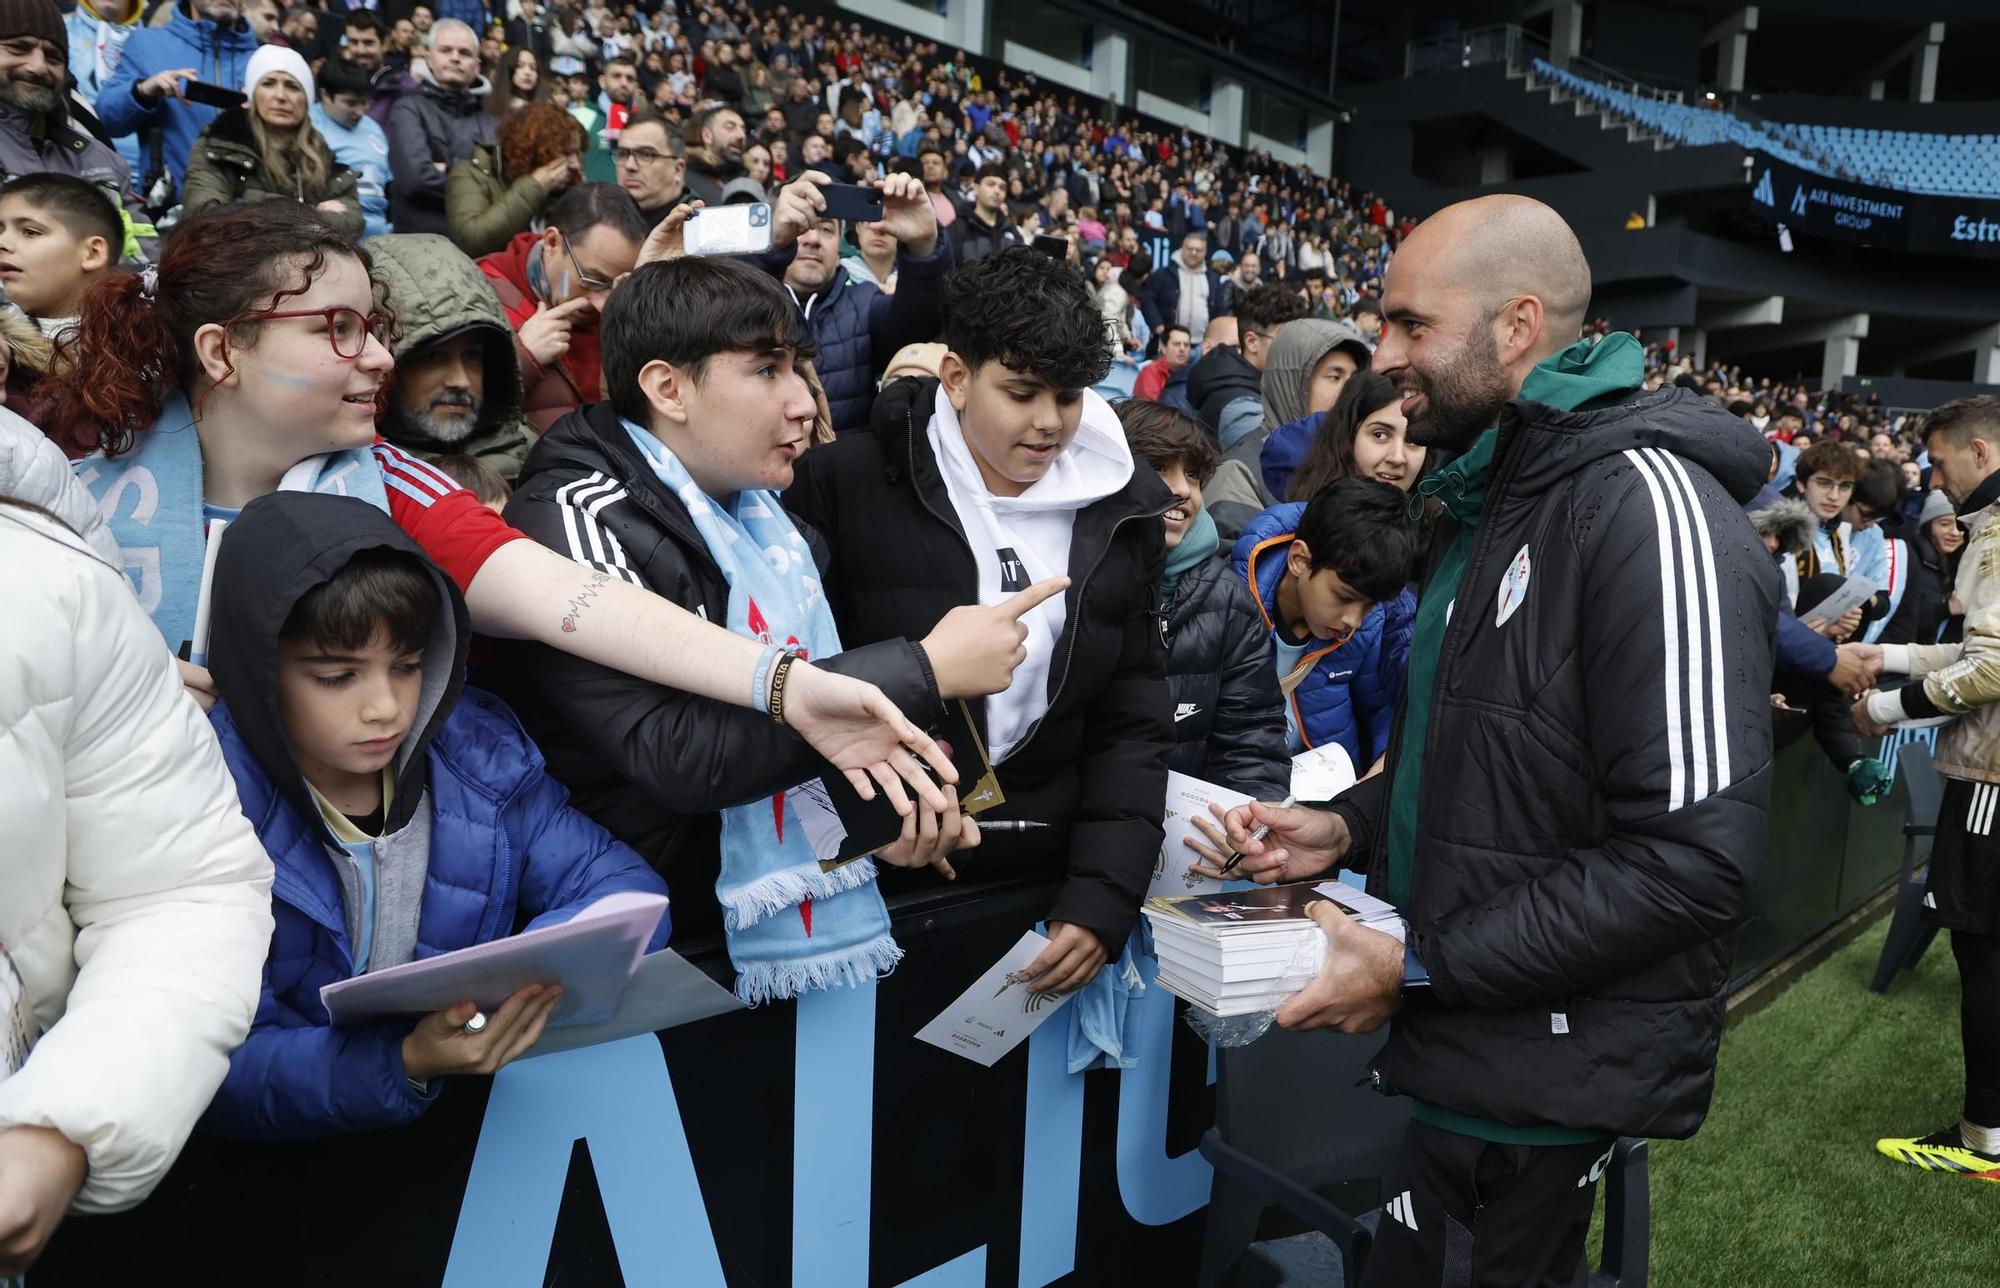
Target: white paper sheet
[
  {"x": 592, "y": 955},
  {"x": 1852, "y": 593},
  {"x": 1321, "y": 773},
  {"x": 998, "y": 1012},
  {"x": 1186, "y": 797},
  {"x": 666, "y": 991}
]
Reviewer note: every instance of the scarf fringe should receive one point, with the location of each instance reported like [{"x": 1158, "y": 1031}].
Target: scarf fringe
[
  {"x": 780, "y": 981},
  {"x": 788, "y": 889}
]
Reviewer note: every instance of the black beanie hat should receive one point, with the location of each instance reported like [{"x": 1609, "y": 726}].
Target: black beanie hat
[{"x": 38, "y": 18}]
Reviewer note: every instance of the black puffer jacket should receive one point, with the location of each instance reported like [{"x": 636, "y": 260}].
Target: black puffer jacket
[
  {"x": 1596, "y": 776},
  {"x": 1095, "y": 766},
  {"x": 652, "y": 764},
  {"x": 1217, "y": 380},
  {"x": 1229, "y": 720}
]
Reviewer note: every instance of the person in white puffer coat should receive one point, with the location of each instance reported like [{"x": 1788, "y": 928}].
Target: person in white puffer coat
[
  {"x": 34, "y": 470},
  {"x": 135, "y": 905}
]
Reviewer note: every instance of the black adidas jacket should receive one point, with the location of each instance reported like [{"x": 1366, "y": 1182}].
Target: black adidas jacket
[
  {"x": 1592, "y": 810},
  {"x": 1095, "y": 766},
  {"x": 653, "y": 764}
]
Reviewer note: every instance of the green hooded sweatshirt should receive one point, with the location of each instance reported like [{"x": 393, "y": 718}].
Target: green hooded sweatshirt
[{"x": 1583, "y": 377}]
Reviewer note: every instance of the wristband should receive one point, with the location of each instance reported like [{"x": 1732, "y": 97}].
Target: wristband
[
  {"x": 1896, "y": 658},
  {"x": 780, "y": 673},
  {"x": 1885, "y": 706},
  {"x": 760, "y": 682}
]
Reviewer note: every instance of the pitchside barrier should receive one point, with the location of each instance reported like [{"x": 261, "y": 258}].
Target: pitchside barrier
[{"x": 815, "y": 1144}]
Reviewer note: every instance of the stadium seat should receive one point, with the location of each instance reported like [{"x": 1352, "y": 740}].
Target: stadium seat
[{"x": 1907, "y": 160}]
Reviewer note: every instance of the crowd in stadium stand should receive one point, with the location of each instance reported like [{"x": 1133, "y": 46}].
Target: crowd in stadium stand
[{"x": 407, "y": 346}]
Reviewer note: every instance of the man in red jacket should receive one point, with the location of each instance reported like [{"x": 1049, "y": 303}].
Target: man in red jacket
[
  {"x": 553, "y": 284},
  {"x": 1175, "y": 350}
]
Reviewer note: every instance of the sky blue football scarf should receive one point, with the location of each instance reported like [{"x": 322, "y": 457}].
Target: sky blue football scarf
[{"x": 790, "y": 927}]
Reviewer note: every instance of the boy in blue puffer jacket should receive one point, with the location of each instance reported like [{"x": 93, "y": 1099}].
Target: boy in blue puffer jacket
[
  {"x": 1329, "y": 575},
  {"x": 405, "y": 814}
]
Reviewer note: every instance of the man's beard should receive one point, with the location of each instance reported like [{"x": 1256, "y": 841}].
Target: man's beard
[
  {"x": 424, "y": 422},
  {"x": 1463, "y": 401},
  {"x": 222, "y": 13},
  {"x": 30, "y": 95}
]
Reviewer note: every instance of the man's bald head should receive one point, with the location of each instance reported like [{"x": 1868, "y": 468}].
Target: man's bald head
[
  {"x": 1476, "y": 296},
  {"x": 1503, "y": 247}
]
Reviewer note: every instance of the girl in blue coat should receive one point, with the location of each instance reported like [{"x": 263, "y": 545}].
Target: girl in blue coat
[{"x": 405, "y": 815}]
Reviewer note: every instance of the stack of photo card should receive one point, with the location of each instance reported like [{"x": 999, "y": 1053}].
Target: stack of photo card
[{"x": 1238, "y": 952}]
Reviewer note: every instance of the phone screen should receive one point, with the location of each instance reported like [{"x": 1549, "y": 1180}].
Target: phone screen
[{"x": 852, "y": 202}]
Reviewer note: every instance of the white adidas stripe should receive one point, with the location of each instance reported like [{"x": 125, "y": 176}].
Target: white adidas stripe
[
  {"x": 1713, "y": 615},
  {"x": 1697, "y": 741},
  {"x": 580, "y": 501}
]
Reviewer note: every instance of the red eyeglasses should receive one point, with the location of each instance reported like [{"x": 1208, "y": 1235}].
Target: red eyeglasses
[{"x": 347, "y": 330}]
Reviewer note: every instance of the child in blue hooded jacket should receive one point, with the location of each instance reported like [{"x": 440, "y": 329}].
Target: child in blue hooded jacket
[
  {"x": 405, "y": 814},
  {"x": 1330, "y": 577}
]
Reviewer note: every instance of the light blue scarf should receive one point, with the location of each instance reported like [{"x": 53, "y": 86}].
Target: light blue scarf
[
  {"x": 790, "y": 927},
  {"x": 151, "y": 499}
]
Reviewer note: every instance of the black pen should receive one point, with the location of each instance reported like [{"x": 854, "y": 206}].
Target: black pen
[{"x": 1262, "y": 830}]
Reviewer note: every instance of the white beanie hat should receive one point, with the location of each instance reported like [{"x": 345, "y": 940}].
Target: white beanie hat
[{"x": 277, "y": 58}]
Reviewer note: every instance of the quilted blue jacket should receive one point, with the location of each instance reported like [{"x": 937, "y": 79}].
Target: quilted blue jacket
[
  {"x": 1350, "y": 696},
  {"x": 505, "y": 845}
]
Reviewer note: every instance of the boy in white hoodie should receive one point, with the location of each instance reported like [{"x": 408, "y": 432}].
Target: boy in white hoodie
[{"x": 1005, "y": 472}]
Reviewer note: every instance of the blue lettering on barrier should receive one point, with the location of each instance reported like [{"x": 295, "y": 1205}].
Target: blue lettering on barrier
[
  {"x": 1051, "y": 1158},
  {"x": 618, "y": 1097},
  {"x": 1157, "y": 1190},
  {"x": 833, "y": 1137}
]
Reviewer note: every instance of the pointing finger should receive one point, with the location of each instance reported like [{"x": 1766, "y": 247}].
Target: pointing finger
[{"x": 1034, "y": 596}]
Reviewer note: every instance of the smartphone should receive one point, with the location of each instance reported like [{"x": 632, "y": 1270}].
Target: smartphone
[
  {"x": 1056, "y": 248},
  {"x": 728, "y": 230},
  {"x": 208, "y": 95},
  {"x": 852, "y": 202}
]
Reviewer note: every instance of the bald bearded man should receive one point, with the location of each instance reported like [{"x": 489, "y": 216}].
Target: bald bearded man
[{"x": 1573, "y": 809}]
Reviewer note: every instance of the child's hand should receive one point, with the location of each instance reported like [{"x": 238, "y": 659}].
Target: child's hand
[{"x": 440, "y": 1045}]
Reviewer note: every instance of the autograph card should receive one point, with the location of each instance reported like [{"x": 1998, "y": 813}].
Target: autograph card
[{"x": 998, "y": 1012}]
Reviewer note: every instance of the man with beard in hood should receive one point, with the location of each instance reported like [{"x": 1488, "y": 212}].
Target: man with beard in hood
[
  {"x": 206, "y": 40},
  {"x": 435, "y": 127},
  {"x": 720, "y": 156},
  {"x": 1574, "y": 802},
  {"x": 36, "y": 134},
  {"x": 458, "y": 384}
]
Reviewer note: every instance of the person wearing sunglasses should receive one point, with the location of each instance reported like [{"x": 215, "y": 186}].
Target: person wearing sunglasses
[{"x": 553, "y": 284}]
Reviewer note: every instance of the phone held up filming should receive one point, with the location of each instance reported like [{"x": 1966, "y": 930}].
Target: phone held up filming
[{"x": 728, "y": 230}]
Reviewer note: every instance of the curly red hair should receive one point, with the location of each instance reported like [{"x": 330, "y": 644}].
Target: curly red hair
[{"x": 534, "y": 134}]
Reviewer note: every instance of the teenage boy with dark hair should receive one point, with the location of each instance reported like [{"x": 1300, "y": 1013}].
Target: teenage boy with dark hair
[
  {"x": 1228, "y": 726},
  {"x": 1329, "y": 576},
  {"x": 406, "y": 814},
  {"x": 985, "y": 229},
  {"x": 1007, "y": 471},
  {"x": 708, "y": 412}
]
